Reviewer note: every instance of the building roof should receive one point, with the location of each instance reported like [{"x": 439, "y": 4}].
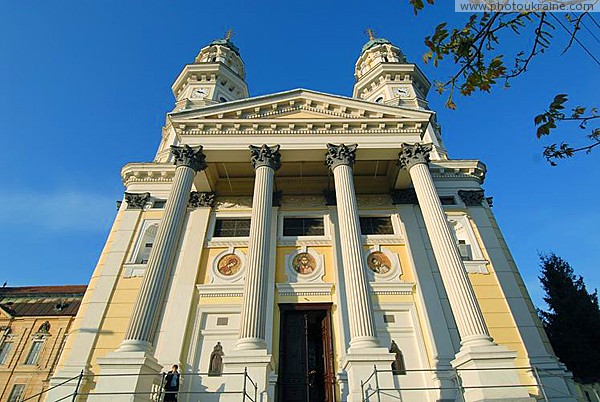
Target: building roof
[
  {"x": 227, "y": 43},
  {"x": 373, "y": 42},
  {"x": 29, "y": 301}
]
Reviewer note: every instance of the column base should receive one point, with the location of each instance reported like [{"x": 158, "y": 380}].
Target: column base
[
  {"x": 488, "y": 373},
  {"x": 63, "y": 374},
  {"x": 258, "y": 364},
  {"x": 360, "y": 364},
  {"x": 128, "y": 376}
]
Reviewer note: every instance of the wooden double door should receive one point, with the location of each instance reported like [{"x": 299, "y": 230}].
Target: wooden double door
[{"x": 305, "y": 354}]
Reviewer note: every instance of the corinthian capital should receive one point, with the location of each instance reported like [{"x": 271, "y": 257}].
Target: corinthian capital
[
  {"x": 190, "y": 157},
  {"x": 340, "y": 155},
  {"x": 413, "y": 154},
  {"x": 265, "y": 156},
  {"x": 137, "y": 200}
]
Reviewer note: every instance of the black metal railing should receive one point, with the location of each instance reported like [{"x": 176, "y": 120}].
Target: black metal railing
[
  {"x": 371, "y": 390},
  {"x": 249, "y": 392}
]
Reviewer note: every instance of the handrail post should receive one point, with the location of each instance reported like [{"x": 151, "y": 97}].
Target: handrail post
[
  {"x": 540, "y": 385},
  {"x": 377, "y": 384},
  {"x": 362, "y": 390},
  {"x": 77, "y": 386},
  {"x": 245, "y": 379}
]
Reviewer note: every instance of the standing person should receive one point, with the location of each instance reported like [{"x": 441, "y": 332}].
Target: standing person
[{"x": 172, "y": 384}]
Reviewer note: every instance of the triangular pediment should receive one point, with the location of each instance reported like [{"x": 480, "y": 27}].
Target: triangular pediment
[{"x": 300, "y": 104}]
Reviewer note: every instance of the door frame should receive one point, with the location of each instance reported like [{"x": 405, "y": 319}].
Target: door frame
[{"x": 329, "y": 363}]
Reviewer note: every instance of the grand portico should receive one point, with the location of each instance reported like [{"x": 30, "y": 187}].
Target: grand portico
[{"x": 308, "y": 238}]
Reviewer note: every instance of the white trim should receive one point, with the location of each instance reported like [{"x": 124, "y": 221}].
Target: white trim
[
  {"x": 305, "y": 289},
  {"x": 221, "y": 290},
  {"x": 213, "y": 241},
  {"x": 302, "y": 239}
]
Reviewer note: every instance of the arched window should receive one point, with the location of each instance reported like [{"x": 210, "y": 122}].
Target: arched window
[
  {"x": 463, "y": 241},
  {"x": 222, "y": 99},
  {"x": 145, "y": 245},
  {"x": 379, "y": 100}
]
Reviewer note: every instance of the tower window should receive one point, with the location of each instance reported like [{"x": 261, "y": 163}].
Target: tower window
[
  {"x": 232, "y": 228},
  {"x": 379, "y": 100},
  {"x": 465, "y": 250},
  {"x": 303, "y": 227},
  {"x": 222, "y": 99},
  {"x": 376, "y": 225}
]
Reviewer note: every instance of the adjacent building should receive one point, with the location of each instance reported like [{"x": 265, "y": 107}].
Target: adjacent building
[
  {"x": 326, "y": 245},
  {"x": 34, "y": 323}
]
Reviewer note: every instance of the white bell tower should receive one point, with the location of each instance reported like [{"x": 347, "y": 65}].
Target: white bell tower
[
  {"x": 384, "y": 76},
  {"x": 216, "y": 76}
]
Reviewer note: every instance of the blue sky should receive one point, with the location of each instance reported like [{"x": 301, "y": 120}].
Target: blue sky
[{"x": 85, "y": 85}]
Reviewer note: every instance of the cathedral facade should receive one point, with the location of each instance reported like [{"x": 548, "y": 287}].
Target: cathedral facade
[{"x": 304, "y": 246}]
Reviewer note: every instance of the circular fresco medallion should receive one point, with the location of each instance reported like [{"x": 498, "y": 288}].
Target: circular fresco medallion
[
  {"x": 304, "y": 263},
  {"x": 229, "y": 264},
  {"x": 379, "y": 262}
]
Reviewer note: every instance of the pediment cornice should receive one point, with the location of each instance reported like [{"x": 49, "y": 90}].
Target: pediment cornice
[{"x": 319, "y": 105}]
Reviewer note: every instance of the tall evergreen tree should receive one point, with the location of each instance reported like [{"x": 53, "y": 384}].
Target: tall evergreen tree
[{"x": 572, "y": 320}]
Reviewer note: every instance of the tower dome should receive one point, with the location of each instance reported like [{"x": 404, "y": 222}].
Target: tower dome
[
  {"x": 216, "y": 76},
  {"x": 384, "y": 76}
]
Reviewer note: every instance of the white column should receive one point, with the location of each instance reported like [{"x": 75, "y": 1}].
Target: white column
[
  {"x": 146, "y": 312},
  {"x": 266, "y": 161},
  {"x": 340, "y": 159},
  {"x": 177, "y": 324},
  {"x": 487, "y": 370},
  {"x": 467, "y": 313}
]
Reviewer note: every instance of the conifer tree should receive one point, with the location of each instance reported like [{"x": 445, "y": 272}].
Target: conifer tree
[{"x": 572, "y": 320}]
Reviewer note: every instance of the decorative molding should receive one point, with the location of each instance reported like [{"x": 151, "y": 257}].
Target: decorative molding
[
  {"x": 277, "y": 198},
  {"x": 296, "y": 108},
  {"x": 217, "y": 243},
  {"x": 253, "y": 129},
  {"x": 404, "y": 196},
  {"x": 340, "y": 155},
  {"x": 302, "y": 201},
  {"x": 373, "y": 200},
  {"x": 490, "y": 201},
  {"x": 202, "y": 199},
  {"x": 392, "y": 288},
  {"x": 373, "y": 240},
  {"x": 471, "y": 198},
  {"x": 302, "y": 242},
  {"x": 265, "y": 156},
  {"x": 193, "y": 158},
  {"x": 119, "y": 203},
  {"x": 413, "y": 154},
  {"x": 241, "y": 202},
  {"x": 137, "y": 200},
  {"x": 220, "y": 290},
  {"x": 304, "y": 289}
]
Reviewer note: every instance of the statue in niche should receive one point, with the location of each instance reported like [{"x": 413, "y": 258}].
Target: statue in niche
[
  {"x": 44, "y": 328},
  {"x": 379, "y": 263},
  {"x": 215, "y": 367},
  {"x": 398, "y": 366},
  {"x": 304, "y": 263}
]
